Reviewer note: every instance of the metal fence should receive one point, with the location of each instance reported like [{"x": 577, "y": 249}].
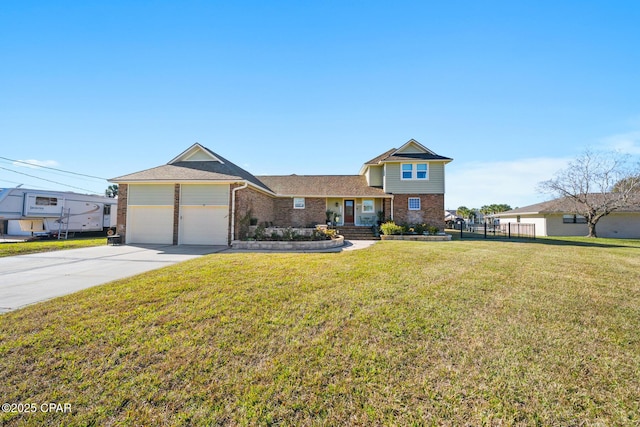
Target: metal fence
[{"x": 510, "y": 230}]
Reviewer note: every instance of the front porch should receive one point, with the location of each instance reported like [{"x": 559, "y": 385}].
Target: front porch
[{"x": 356, "y": 211}]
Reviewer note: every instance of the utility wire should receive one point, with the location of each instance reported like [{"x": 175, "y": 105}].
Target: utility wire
[
  {"x": 55, "y": 169},
  {"x": 48, "y": 180},
  {"x": 28, "y": 185}
]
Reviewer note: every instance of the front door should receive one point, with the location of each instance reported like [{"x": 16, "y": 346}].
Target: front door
[{"x": 349, "y": 207}]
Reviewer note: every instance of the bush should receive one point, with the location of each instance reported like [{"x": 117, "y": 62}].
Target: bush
[
  {"x": 390, "y": 227},
  {"x": 260, "y": 233}
]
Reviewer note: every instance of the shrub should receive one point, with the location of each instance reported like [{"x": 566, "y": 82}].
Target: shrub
[
  {"x": 391, "y": 227},
  {"x": 289, "y": 234},
  {"x": 260, "y": 233},
  {"x": 420, "y": 228}
]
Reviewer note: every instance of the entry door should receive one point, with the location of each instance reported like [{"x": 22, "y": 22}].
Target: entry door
[{"x": 349, "y": 206}]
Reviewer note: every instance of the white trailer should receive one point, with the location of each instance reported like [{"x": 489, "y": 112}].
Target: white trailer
[{"x": 33, "y": 212}]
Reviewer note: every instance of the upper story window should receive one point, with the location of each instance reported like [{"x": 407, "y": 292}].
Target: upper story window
[
  {"x": 298, "y": 203},
  {"x": 415, "y": 171}
]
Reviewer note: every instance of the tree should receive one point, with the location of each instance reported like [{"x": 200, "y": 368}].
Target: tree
[
  {"x": 495, "y": 208},
  {"x": 111, "y": 191},
  {"x": 465, "y": 212},
  {"x": 595, "y": 185}
]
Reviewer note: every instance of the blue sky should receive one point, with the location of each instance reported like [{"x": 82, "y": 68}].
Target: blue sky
[{"x": 510, "y": 90}]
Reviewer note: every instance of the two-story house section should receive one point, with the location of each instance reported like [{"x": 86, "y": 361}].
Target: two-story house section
[
  {"x": 200, "y": 197},
  {"x": 415, "y": 177}
]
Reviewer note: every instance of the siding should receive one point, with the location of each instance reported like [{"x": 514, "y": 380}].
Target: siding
[
  {"x": 620, "y": 225},
  {"x": 540, "y": 223},
  {"x": 374, "y": 176},
  {"x": 395, "y": 185},
  {"x": 151, "y": 195},
  {"x": 615, "y": 225}
]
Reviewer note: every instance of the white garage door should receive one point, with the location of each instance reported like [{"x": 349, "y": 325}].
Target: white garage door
[
  {"x": 150, "y": 213},
  {"x": 204, "y": 225},
  {"x": 150, "y": 224},
  {"x": 204, "y": 211}
]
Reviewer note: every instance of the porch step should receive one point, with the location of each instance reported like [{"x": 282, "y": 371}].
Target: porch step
[{"x": 351, "y": 232}]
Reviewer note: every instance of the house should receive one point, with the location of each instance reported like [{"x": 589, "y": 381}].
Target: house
[
  {"x": 199, "y": 197},
  {"x": 557, "y": 218}
]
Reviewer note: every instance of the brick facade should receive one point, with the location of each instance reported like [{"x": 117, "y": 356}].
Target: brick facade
[
  {"x": 312, "y": 214},
  {"x": 431, "y": 210},
  {"x": 386, "y": 209},
  {"x": 260, "y": 205},
  {"x": 279, "y": 211},
  {"x": 176, "y": 212},
  {"x": 121, "y": 218}
]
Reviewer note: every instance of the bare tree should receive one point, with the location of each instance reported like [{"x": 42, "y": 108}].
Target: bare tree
[{"x": 594, "y": 185}]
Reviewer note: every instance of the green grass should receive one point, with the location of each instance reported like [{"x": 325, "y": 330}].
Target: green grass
[
  {"x": 22, "y": 248},
  {"x": 402, "y": 333}
]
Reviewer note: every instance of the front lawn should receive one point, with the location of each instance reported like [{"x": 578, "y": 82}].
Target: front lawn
[
  {"x": 402, "y": 333},
  {"x": 22, "y": 248}
]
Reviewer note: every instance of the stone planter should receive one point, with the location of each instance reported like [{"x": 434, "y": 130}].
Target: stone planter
[
  {"x": 417, "y": 237},
  {"x": 294, "y": 245}
]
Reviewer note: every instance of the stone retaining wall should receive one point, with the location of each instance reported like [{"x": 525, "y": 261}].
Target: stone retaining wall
[{"x": 288, "y": 245}]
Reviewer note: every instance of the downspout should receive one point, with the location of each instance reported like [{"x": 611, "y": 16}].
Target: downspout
[{"x": 233, "y": 208}]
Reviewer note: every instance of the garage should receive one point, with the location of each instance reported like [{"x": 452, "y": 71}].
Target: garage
[
  {"x": 150, "y": 214},
  {"x": 204, "y": 214}
]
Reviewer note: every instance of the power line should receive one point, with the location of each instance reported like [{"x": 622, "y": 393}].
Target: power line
[
  {"x": 55, "y": 169},
  {"x": 28, "y": 185},
  {"x": 48, "y": 180}
]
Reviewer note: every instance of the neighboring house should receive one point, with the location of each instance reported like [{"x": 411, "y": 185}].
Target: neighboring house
[
  {"x": 200, "y": 197},
  {"x": 555, "y": 218}
]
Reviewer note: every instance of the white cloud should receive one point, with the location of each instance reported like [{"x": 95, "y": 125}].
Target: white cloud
[
  {"x": 628, "y": 143},
  {"x": 514, "y": 182},
  {"x": 35, "y": 163}
]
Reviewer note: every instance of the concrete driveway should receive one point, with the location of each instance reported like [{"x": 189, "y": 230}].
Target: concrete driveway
[{"x": 27, "y": 279}]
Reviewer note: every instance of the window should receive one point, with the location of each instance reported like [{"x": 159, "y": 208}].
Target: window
[
  {"x": 414, "y": 203},
  {"x": 574, "y": 219},
  {"x": 298, "y": 203},
  {"x": 415, "y": 171},
  {"x": 107, "y": 210},
  {"x": 46, "y": 201},
  {"x": 421, "y": 171},
  {"x": 367, "y": 206},
  {"x": 407, "y": 171}
]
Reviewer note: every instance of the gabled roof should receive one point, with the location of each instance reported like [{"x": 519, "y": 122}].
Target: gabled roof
[
  {"x": 196, "y": 152},
  {"x": 411, "y": 151},
  {"x": 558, "y": 206},
  {"x": 185, "y": 167},
  {"x": 321, "y": 186}
]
